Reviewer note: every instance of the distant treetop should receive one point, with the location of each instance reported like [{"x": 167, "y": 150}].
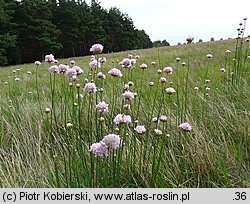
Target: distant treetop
[{"x": 159, "y": 43}]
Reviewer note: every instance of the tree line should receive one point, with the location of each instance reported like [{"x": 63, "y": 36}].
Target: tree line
[
  {"x": 159, "y": 43},
  {"x": 29, "y": 29}
]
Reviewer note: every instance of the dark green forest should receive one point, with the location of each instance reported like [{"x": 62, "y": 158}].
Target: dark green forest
[{"x": 30, "y": 29}]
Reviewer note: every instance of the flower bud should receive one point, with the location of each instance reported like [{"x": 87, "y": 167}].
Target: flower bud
[
  {"x": 101, "y": 119},
  {"x": 69, "y": 125},
  {"x": 47, "y": 110}
]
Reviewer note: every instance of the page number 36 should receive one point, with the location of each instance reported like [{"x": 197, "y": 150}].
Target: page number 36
[{"x": 240, "y": 196}]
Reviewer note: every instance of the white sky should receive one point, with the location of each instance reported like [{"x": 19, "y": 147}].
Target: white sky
[{"x": 174, "y": 20}]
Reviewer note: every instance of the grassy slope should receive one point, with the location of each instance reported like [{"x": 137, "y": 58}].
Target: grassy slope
[{"x": 214, "y": 154}]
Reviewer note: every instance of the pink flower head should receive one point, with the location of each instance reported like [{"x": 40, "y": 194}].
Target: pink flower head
[
  {"x": 170, "y": 90},
  {"x": 133, "y": 62},
  {"x": 102, "y": 60},
  {"x": 113, "y": 141},
  {"x": 90, "y": 88},
  {"x": 102, "y": 107},
  {"x": 71, "y": 72},
  {"x": 115, "y": 72},
  {"x": 100, "y": 75},
  {"x": 168, "y": 70},
  {"x": 62, "y": 68},
  {"x": 122, "y": 119},
  {"x": 53, "y": 69},
  {"x": 163, "y": 118},
  {"x": 140, "y": 129},
  {"x": 155, "y": 120},
  {"x": 38, "y": 63},
  {"x": 94, "y": 64},
  {"x": 99, "y": 149},
  {"x": 49, "y": 58},
  {"x": 78, "y": 70},
  {"x": 74, "y": 78},
  {"x": 92, "y": 57},
  {"x": 209, "y": 56},
  {"x": 189, "y": 39},
  {"x": 143, "y": 66},
  {"x": 185, "y": 127},
  {"x": 128, "y": 95},
  {"x": 158, "y": 132},
  {"x": 163, "y": 80},
  {"x": 96, "y": 49},
  {"x": 126, "y": 63},
  {"x": 151, "y": 83}
]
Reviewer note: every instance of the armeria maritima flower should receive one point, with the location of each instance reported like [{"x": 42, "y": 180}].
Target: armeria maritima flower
[
  {"x": 90, "y": 88},
  {"x": 115, "y": 72},
  {"x": 126, "y": 63},
  {"x": 53, "y": 69},
  {"x": 49, "y": 58},
  {"x": 122, "y": 119},
  {"x": 71, "y": 72},
  {"x": 78, "y": 70},
  {"x": 100, "y": 75},
  {"x": 140, "y": 129},
  {"x": 102, "y": 107},
  {"x": 128, "y": 95},
  {"x": 62, "y": 68},
  {"x": 96, "y": 49},
  {"x": 38, "y": 63},
  {"x": 99, "y": 149},
  {"x": 168, "y": 70},
  {"x": 113, "y": 141},
  {"x": 170, "y": 91},
  {"x": 185, "y": 127},
  {"x": 143, "y": 66}
]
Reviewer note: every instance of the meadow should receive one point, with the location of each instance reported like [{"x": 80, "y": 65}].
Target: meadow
[{"x": 177, "y": 117}]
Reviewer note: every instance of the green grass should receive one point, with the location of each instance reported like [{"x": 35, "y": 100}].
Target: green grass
[{"x": 37, "y": 150}]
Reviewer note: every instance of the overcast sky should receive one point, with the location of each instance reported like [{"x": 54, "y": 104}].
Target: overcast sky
[{"x": 174, "y": 20}]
